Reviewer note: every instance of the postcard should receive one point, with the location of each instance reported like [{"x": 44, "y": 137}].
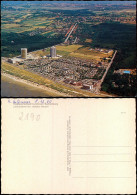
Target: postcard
[
  {"x": 68, "y": 48},
  {"x": 68, "y": 146}
]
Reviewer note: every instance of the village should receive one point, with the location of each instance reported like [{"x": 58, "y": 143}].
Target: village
[
  {"x": 80, "y": 73},
  {"x": 73, "y": 71}
]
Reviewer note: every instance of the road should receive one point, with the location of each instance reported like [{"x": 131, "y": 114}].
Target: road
[
  {"x": 70, "y": 33},
  {"x": 75, "y": 40},
  {"x": 101, "y": 81}
]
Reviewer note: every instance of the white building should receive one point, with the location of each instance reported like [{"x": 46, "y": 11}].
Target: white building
[
  {"x": 24, "y": 53},
  {"x": 53, "y": 52},
  {"x": 13, "y": 61}
]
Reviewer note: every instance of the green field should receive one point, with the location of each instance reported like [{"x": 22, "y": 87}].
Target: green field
[
  {"x": 69, "y": 48},
  {"x": 17, "y": 22},
  {"x": 81, "y": 51}
]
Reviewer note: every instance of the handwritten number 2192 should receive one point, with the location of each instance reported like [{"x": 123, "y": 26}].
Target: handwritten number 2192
[{"x": 29, "y": 116}]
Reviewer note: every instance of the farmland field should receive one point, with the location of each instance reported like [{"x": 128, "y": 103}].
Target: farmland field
[
  {"x": 80, "y": 51},
  {"x": 69, "y": 48}
]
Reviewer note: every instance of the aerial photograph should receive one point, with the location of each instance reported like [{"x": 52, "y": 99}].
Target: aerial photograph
[{"x": 68, "y": 49}]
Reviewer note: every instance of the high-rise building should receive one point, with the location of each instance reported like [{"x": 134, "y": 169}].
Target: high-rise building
[
  {"x": 24, "y": 53},
  {"x": 53, "y": 52}
]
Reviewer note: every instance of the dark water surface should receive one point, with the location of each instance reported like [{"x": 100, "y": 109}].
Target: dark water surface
[{"x": 12, "y": 88}]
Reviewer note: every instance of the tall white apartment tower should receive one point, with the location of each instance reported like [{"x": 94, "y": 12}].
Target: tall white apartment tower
[
  {"x": 53, "y": 52},
  {"x": 24, "y": 53}
]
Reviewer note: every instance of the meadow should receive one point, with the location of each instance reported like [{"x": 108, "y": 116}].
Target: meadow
[{"x": 83, "y": 52}]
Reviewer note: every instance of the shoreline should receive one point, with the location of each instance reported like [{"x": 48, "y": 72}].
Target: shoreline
[
  {"x": 23, "y": 81},
  {"x": 52, "y": 92}
]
